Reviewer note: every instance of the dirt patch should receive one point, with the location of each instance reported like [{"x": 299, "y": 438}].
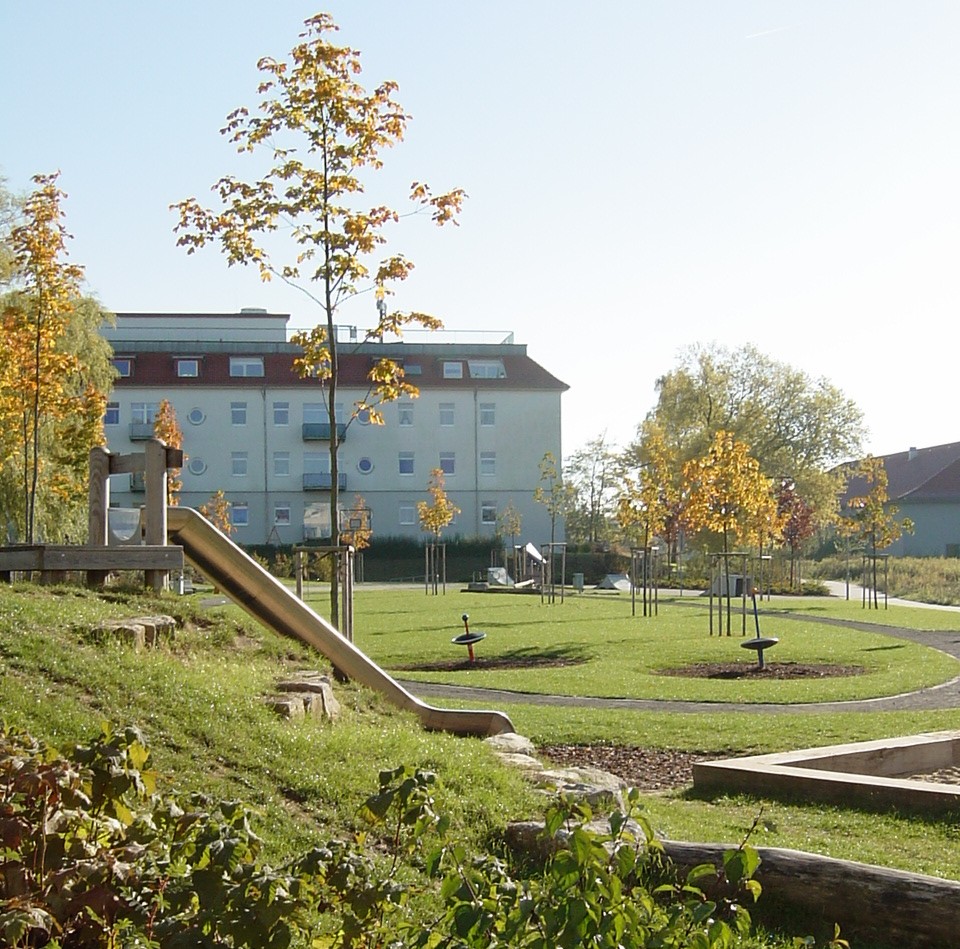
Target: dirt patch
[
  {"x": 770, "y": 670},
  {"x": 647, "y": 769},
  {"x": 495, "y": 662}
]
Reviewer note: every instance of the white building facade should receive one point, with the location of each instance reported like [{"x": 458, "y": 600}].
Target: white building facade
[{"x": 486, "y": 415}]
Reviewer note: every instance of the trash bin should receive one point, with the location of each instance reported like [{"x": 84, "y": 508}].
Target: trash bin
[{"x": 578, "y": 582}]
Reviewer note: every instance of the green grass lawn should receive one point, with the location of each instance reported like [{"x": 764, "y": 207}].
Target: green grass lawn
[{"x": 593, "y": 646}]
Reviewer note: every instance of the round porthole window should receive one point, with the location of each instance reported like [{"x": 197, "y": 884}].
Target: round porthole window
[
  {"x": 363, "y": 416},
  {"x": 196, "y": 466},
  {"x": 195, "y": 416},
  {"x": 364, "y": 466}
]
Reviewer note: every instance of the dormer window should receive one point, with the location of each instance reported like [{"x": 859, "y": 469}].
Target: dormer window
[
  {"x": 188, "y": 368},
  {"x": 246, "y": 366},
  {"x": 486, "y": 369},
  {"x": 123, "y": 365},
  {"x": 452, "y": 369}
]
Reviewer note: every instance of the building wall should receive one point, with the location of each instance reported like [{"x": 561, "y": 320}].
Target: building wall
[
  {"x": 936, "y": 530},
  {"x": 248, "y": 440}
]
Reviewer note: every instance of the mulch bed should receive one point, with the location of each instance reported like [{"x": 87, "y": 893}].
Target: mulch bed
[
  {"x": 770, "y": 670},
  {"x": 644, "y": 768},
  {"x": 495, "y": 662}
]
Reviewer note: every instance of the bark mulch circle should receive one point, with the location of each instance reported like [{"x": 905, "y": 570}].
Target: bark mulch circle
[{"x": 770, "y": 670}]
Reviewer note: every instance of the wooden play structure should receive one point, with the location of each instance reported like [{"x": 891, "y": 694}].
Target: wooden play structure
[{"x": 98, "y": 557}]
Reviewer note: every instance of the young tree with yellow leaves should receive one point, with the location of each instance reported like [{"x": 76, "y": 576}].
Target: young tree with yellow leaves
[
  {"x": 322, "y": 129},
  {"x": 53, "y": 377},
  {"x": 727, "y": 493},
  {"x": 217, "y": 512},
  {"x": 167, "y": 429},
  {"x": 438, "y": 515},
  {"x": 868, "y": 517}
]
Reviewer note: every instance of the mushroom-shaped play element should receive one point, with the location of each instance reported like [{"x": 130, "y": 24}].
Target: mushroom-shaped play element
[
  {"x": 466, "y": 638},
  {"x": 759, "y": 643}
]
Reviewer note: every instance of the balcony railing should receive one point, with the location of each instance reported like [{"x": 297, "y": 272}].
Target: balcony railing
[
  {"x": 320, "y": 431},
  {"x": 141, "y": 431},
  {"x": 138, "y": 482},
  {"x": 323, "y": 481}
]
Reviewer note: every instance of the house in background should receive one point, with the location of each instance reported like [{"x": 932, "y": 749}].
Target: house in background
[
  {"x": 253, "y": 428},
  {"x": 924, "y": 483}
]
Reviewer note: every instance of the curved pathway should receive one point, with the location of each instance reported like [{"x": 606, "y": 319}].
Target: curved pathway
[{"x": 944, "y": 696}]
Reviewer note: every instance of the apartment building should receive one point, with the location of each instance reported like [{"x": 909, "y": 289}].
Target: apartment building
[{"x": 252, "y": 427}]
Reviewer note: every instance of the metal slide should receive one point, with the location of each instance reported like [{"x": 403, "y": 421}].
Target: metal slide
[{"x": 269, "y": 602}]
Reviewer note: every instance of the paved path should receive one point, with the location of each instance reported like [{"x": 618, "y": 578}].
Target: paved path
[{"x": 943, "y": 696}]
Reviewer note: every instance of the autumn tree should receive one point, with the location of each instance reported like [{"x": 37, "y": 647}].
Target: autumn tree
[
  {"x": 167, "y": 429},
  {"x": 556, "y": 495},
  {"x": 867, "y": 515},
  {"x": 302, "y": 221},
  {"x": 727, "y": 494},
  {"x": 798, "y": 522},
  {"x": 217, "y": 511},
  {"x": 54, "y": 377},
  {"x": 509, "y": 523},
  {"x": 440, "y": 512},
  {"x": 797, "y": 426},
  {"x": 358, "y": 525}
]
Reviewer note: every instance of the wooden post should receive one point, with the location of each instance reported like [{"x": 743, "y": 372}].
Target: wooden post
[
  {"x": 98, "y": 524},
  {"x": 155, "y": 484}
]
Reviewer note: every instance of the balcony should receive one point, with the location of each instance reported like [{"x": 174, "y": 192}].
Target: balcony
[
  {"x": 320, "y": 431},
  {"x": 138, "y": 482},
  {"x": 141, "y": 431},
  {"x": 323, "y": 481}
]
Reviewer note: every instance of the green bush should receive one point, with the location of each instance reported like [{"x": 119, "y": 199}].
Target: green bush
[{"x": 93, "y": 856}]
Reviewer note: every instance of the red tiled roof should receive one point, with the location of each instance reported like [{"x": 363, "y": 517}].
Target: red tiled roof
[{"x": 152, "y": 368}]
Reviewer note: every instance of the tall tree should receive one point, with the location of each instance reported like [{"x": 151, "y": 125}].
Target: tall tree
[
  {"x": 591, "y": 473},
  {"x": 797, "y": 426},
  {"x": 54, "y": 376},
  {"x": 322, "y": 130}
]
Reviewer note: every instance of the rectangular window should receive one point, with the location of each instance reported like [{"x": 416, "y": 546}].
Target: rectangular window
[
  {"x": 281, "y": 413},
  {"x": 405, "y": 462},
  {"x": 446, "y": 413},
  {"x": 112, "y": 415},
  {"x": 238, "y": 464},
  {"x": 412, "y": 369},
  {"x": 239, "y": 514},
  {"x": 453, "y": 369},
  {"x": 281, "y": 514},
  {"x": 123, "y": 366},
  {"x": 188, "y": 368},
  {"x": 246, "y": 366},
  {"x": 486, "y": 369},
  {"x": 488, "y": 462},
  {"x": 488, "y": 513},
  {"x": 405, "y": 413},
  {"x": 238, "y": 413},
  {"x": 448, "y": 462},
  {"x": 314, "y": 413},
  {"x": 281, "y": 464},
  {"x": 408, "y": 515},
  {"x": 144, "y": 413},
  {"x": 488, "y": 414},
  {"x": 316, "y": 462}
]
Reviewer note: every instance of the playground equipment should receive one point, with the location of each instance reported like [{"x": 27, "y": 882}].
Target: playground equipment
[
  {"x": 466, "y": 638},
  {"x": 758, "y": 643},
  {"x": 269, "y": 602},
  {"x": 98, "y": 557}
]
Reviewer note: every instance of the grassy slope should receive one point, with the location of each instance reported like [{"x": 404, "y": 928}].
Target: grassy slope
[{"x": 199, "y": 704}]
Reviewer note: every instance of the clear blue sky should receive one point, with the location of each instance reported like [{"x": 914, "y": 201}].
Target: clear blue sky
[{"x": 642, "y": 176}]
